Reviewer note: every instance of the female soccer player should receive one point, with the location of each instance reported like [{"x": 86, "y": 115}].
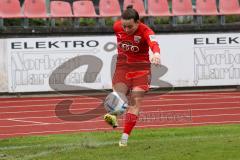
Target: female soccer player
[{"x": 132, "y": 74}]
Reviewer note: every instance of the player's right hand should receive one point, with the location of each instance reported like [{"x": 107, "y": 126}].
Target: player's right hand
[{"x": 155, "y": 59}]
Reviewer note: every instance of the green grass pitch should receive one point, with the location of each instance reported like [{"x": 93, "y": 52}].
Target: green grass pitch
[{"x": 219, "y": 142}]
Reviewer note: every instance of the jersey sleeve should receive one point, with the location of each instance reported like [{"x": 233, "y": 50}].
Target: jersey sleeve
[
  {"x": 151, "y": 39},
  {"x": 116, "y": 26}
]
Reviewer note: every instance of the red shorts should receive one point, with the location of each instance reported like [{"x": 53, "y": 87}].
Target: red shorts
[{"x": 133, "y": 75}]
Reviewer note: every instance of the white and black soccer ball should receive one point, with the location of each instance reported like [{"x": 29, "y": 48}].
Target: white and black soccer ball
[{"x": 116, "y": 103}]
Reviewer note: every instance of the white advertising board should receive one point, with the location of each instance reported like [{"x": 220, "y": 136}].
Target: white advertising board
[
  {"x": 201, "y": 59},
  {"x": 3, "y": 69},
  {"x": 190, "y": 59},
  {"x": 32, "y": 61}
]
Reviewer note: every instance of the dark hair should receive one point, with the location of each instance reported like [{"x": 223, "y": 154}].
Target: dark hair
[{"x": 130, "y": 13}]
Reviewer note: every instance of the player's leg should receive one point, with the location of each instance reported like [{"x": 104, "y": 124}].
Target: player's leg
[
  {"x": 132, "y": 114},
  {"x": 140, "y": 77},
  {"x": 120, "y": 81},
  {"x": 140, "y": 87},
  {"x": 121, "y": 87}
]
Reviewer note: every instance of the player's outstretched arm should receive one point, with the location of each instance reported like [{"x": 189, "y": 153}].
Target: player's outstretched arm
[{"x": 153, "y": 44}]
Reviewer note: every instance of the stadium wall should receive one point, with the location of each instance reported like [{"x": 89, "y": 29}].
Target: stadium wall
[{"x": 84, "y": 62}]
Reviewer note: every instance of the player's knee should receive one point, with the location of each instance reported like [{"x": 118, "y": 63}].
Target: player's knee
[
  {"x": 134, "y": 109},
  {"x": 120, "y": 87}
]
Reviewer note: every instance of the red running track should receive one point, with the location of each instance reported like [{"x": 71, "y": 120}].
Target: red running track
[{"x": 42, "y": 115}]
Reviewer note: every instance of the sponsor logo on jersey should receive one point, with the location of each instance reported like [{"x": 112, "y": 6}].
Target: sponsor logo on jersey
[{"x": 128, "y": 46}]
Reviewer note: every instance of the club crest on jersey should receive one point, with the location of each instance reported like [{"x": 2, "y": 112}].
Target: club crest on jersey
[{"x": 137, "y": 39}]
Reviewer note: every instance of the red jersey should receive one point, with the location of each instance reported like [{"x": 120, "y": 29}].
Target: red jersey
[{"x": 136, "y": 46}]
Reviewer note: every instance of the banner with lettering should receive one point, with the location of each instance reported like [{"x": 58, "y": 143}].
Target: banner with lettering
[
  {"x": 85, "y": 62},
  {"x": 60, "y": 63}
]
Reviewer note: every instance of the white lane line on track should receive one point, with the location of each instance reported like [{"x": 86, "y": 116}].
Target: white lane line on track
[
  {"x": 227, "y": 93},
  {"x": 20, "y": 120},
  {"x": 66, "y": 98},
  {"x": 185, "y": 99},
  {"x": 218, "y": 96},
  {"x": 54, "y": 104},
  {"x": 214, "y": 98},
  {"x": 184, "y": 124},
  {"x": 175, "y": 110},
  {"x": 79, "y": 114},
  {"x": 47, "y": 100},
  {"x": 74, "y": 122},
  {"x": 201, "y": 95},
  {"x": 55, "y": 123},
  {"x": 95, "y": 98},
  {"x": 45, "y": 105},
  {"x": 164, "y": 118},
  {"x": 206, "y": 115},
  {"x": 110, "y": 129},
  {"x": 197, "y": 109}
]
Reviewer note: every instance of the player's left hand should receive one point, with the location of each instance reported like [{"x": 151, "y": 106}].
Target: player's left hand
[{"x": 155, "y": 59}]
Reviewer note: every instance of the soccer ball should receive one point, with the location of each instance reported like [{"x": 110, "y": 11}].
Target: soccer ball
[{"x": 116, "y": 103}]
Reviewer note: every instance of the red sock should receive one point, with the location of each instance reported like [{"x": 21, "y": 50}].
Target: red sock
[{"x": 130, "y": 122}]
